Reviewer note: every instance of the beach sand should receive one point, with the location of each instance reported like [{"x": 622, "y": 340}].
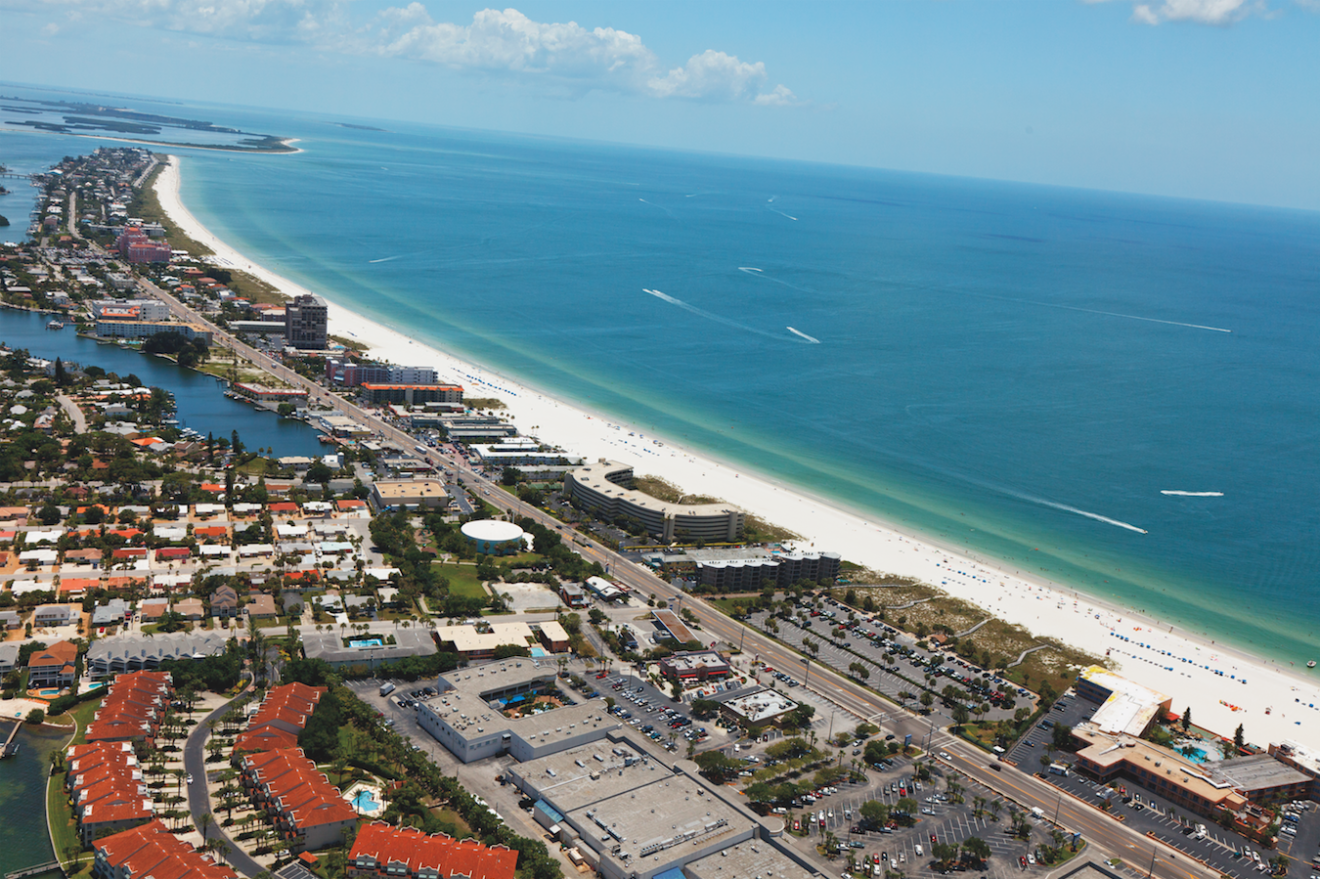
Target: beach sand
[{"x": 1185, "y": 667}]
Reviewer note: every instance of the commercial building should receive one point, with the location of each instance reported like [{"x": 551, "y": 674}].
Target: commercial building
[
  {"x": 1187, "y": 785},
  {"x": 384, "y": 852},
  {"x": 412, "y": 394},
  {"x": 1125, "y": 706},
  {"x": 1303, "y": 758},
  {"x": 523, "y": 452},
  {"x": 573, "y": 595},
  {"x": 479, "y": 645},
  {"x": 508, "y": 707},
  {"x": 268, "y": 394},
  {"x": 757, "y": 708},
  {"x": 700, "y": 665},
  {"x": 672, "y": 627},
  {"x": 473, "y": 428},
  {"x": 755, "y": 857},
  {"x": 409, "y": 494},
  {"x": 631, "y": 814},
  {"x": 305, "y": 320},
  {"x": 141, "y": 329},
  {"x": 367, "y": 651},
  {"x": 605, "y": 489},
  {"x": 494, "y": 536}
]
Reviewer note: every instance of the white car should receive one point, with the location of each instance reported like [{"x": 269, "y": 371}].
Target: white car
[{"x": 188, "y": 780}]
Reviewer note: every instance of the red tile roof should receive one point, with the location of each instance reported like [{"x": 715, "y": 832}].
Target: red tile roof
[
  {"x": 57, "y": 655},
  {"x": 448, "y": 856},
  {"x": 151, "y": 850}
]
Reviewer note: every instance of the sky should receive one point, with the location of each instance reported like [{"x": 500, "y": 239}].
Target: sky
[{"x": 1206, "y": 99}]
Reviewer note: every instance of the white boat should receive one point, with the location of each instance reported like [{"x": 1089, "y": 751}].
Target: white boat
[{"x": 1311, "y": 664}]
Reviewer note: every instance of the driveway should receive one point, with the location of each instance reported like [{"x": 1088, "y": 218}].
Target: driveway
[{"x": 194, "y": 762}]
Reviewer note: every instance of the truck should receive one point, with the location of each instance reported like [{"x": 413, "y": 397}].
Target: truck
[
  {"x": 386, "y": 689},
  {"x": 1058, "y": 769}
]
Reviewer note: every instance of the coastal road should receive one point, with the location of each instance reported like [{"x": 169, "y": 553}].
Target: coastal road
[
  {"x": 1107, "y": 834},
  {"x": 194, "y": 763}
]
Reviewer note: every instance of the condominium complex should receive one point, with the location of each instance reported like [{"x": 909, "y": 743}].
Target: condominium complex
[
  {"x": 605, "y": 489},
  {"x": 305, "y": 319}
]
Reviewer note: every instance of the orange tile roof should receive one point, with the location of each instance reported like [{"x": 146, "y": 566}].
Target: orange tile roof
[
  {"x": 444, "y": 854},
  {"x": 59, "y": 654},
  {"x": 151, "y": 850}
]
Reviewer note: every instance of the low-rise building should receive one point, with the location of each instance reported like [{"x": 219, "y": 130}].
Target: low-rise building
[
  {"x": 141, "y": 329},
  {"x": 698, "y": 665},
  {"x": 107, "y": 657},
  {"x": 367, "y": 651},
  {"x": 409, "y": 494},
  {"x": 303, "y": 805},
  {"x": 511, "y": 706},
  {"x": 757, "y": 708},
  {"x": 54, "y": 615},
  {"x": 1125, "y": 706},
  {"x": 384, "y": 852},
  {"x": 152, "y": 850}
]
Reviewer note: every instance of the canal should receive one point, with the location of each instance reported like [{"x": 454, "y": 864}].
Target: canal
[
  {"x": 24, "y": 837},
  {"x": 200, "y": 398}
]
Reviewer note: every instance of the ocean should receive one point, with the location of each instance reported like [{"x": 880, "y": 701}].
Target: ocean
[{"x": 1110, "y": 390}]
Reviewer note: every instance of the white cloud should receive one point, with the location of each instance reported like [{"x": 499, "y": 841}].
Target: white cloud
[
  {"x": 1215, "y": 12},
  {"x": 504, "y": 42}
]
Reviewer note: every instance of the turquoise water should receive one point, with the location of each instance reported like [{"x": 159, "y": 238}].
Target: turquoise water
[
  {"x": 48, "y": 692},
  {"x": 539, "y": 652},
  {"x": 1019, "y": 371},
  {"x": 367, "y": 642},
  {"x": 365, "y": 801}
]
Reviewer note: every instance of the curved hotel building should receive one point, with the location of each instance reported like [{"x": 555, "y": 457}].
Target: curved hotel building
[{"x": 605, "y": 489}]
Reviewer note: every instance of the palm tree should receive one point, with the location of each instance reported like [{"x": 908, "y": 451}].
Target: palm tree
[{"x": 205, "y": 822}]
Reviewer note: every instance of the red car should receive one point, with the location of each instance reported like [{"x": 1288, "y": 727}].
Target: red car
[
  {"x": 932, "y": 839},
  {"x": 1022, "y": 859}
]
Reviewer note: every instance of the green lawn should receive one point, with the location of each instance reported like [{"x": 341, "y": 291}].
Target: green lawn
[
  {"x": 462, "y": 580},
  {"x": 521, "y": 560},
  {"x": 59, "y": 814}
]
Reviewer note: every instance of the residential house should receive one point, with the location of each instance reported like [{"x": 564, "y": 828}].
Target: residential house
[{"x": 56, "y": 666}]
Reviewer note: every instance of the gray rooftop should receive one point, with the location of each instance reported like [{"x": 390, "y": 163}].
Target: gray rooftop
[
  {"x": 154, "y": 648},
  {"x": 582, "y": 776},
  {"x": 329, "y": 646},
  {"x": 1256, "y": 773},
  {"x": 754, "y": 859}
]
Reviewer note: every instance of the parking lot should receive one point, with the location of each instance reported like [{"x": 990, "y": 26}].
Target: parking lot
[
  {"x": 869, "y": 642},
  {"x": 939, "y": 819}
]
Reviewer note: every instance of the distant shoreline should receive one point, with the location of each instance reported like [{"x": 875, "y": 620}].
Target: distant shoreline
[
  {"x": 1000, "y": 589},
  {"x": 286, "y": 143}
]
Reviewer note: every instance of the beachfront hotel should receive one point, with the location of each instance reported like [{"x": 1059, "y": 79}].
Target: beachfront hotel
[
  {"x": 305, "y": 321},
  {"x": 605, "y": 489}
]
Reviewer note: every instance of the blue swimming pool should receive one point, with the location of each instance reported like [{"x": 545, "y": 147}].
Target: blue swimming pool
[
  {"x": 365, "y": 801},
  {"x": 367, "y": 642}
]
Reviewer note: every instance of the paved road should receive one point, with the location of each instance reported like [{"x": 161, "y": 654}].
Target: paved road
[
  {"x": 70, "y": 407},
  {"x": 194, "y": 763},
  {"x": 1107, "y": 834}
]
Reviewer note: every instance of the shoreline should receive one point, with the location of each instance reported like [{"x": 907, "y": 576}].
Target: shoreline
[
  {"x": 1159, "y": 655},
  {"x": 287, "y": 142}
]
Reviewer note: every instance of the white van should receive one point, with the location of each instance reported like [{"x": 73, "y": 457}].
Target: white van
[{"x": 919, "y": 851}]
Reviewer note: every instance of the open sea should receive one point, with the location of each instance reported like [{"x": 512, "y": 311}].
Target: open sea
[{"x": 1115, "y": 391}]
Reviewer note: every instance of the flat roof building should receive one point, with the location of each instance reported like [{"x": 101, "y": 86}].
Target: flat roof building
[
  {"x": 494, "y": 536},
  {"x": 482, "y": 711},
  {"x": 329, "y": 646},
  {"x": 606, "y": 489},
  {"x": 751, "y": 859},
  {"x": 758, "y": 707},
  {"x": 1125, "y": 706},
  {"x": 698, "y": 665},
  {"x": 409, "y": 494}
]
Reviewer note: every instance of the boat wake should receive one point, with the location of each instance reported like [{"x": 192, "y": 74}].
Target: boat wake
[
  {"x": 701, "y": 312},
  {"x": 1117, "y": 523},
  {"x": 383, "y": 259},
  {"x": 812, "y": 339},
  {"x": 782, "y": 214},
  {"x": 1193, "y": 493},
  {"x": 749, "y": 269}
]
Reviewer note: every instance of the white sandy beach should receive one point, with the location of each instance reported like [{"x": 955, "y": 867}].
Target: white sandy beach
[{"x": 1223, "y": 687}]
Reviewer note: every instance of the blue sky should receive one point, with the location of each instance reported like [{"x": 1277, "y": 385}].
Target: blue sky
[{"x": 1207, "y": 99}]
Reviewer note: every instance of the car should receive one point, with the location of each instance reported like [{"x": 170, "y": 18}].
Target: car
[
  {"x": 1030, "y": 744},
  {"x": 1022, "y": 861},
  {"x": 889, "y": 738},
  {"x": 189, "y": 780}
]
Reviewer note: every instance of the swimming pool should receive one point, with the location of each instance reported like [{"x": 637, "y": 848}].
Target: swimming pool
[
  {"x": 367, "y": 642},
  {"x": 539, "y": 652},
  {"x": 49, "y": 694},
  {"x": 365, "y": 801}
]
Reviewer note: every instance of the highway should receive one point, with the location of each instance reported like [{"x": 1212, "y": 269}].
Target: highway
[{"x": 1108, "y": 835}]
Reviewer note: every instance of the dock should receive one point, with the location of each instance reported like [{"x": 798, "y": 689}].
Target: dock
[
  {"x": 9, "y": 742},
  {"x": 49, "y": 867}
]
